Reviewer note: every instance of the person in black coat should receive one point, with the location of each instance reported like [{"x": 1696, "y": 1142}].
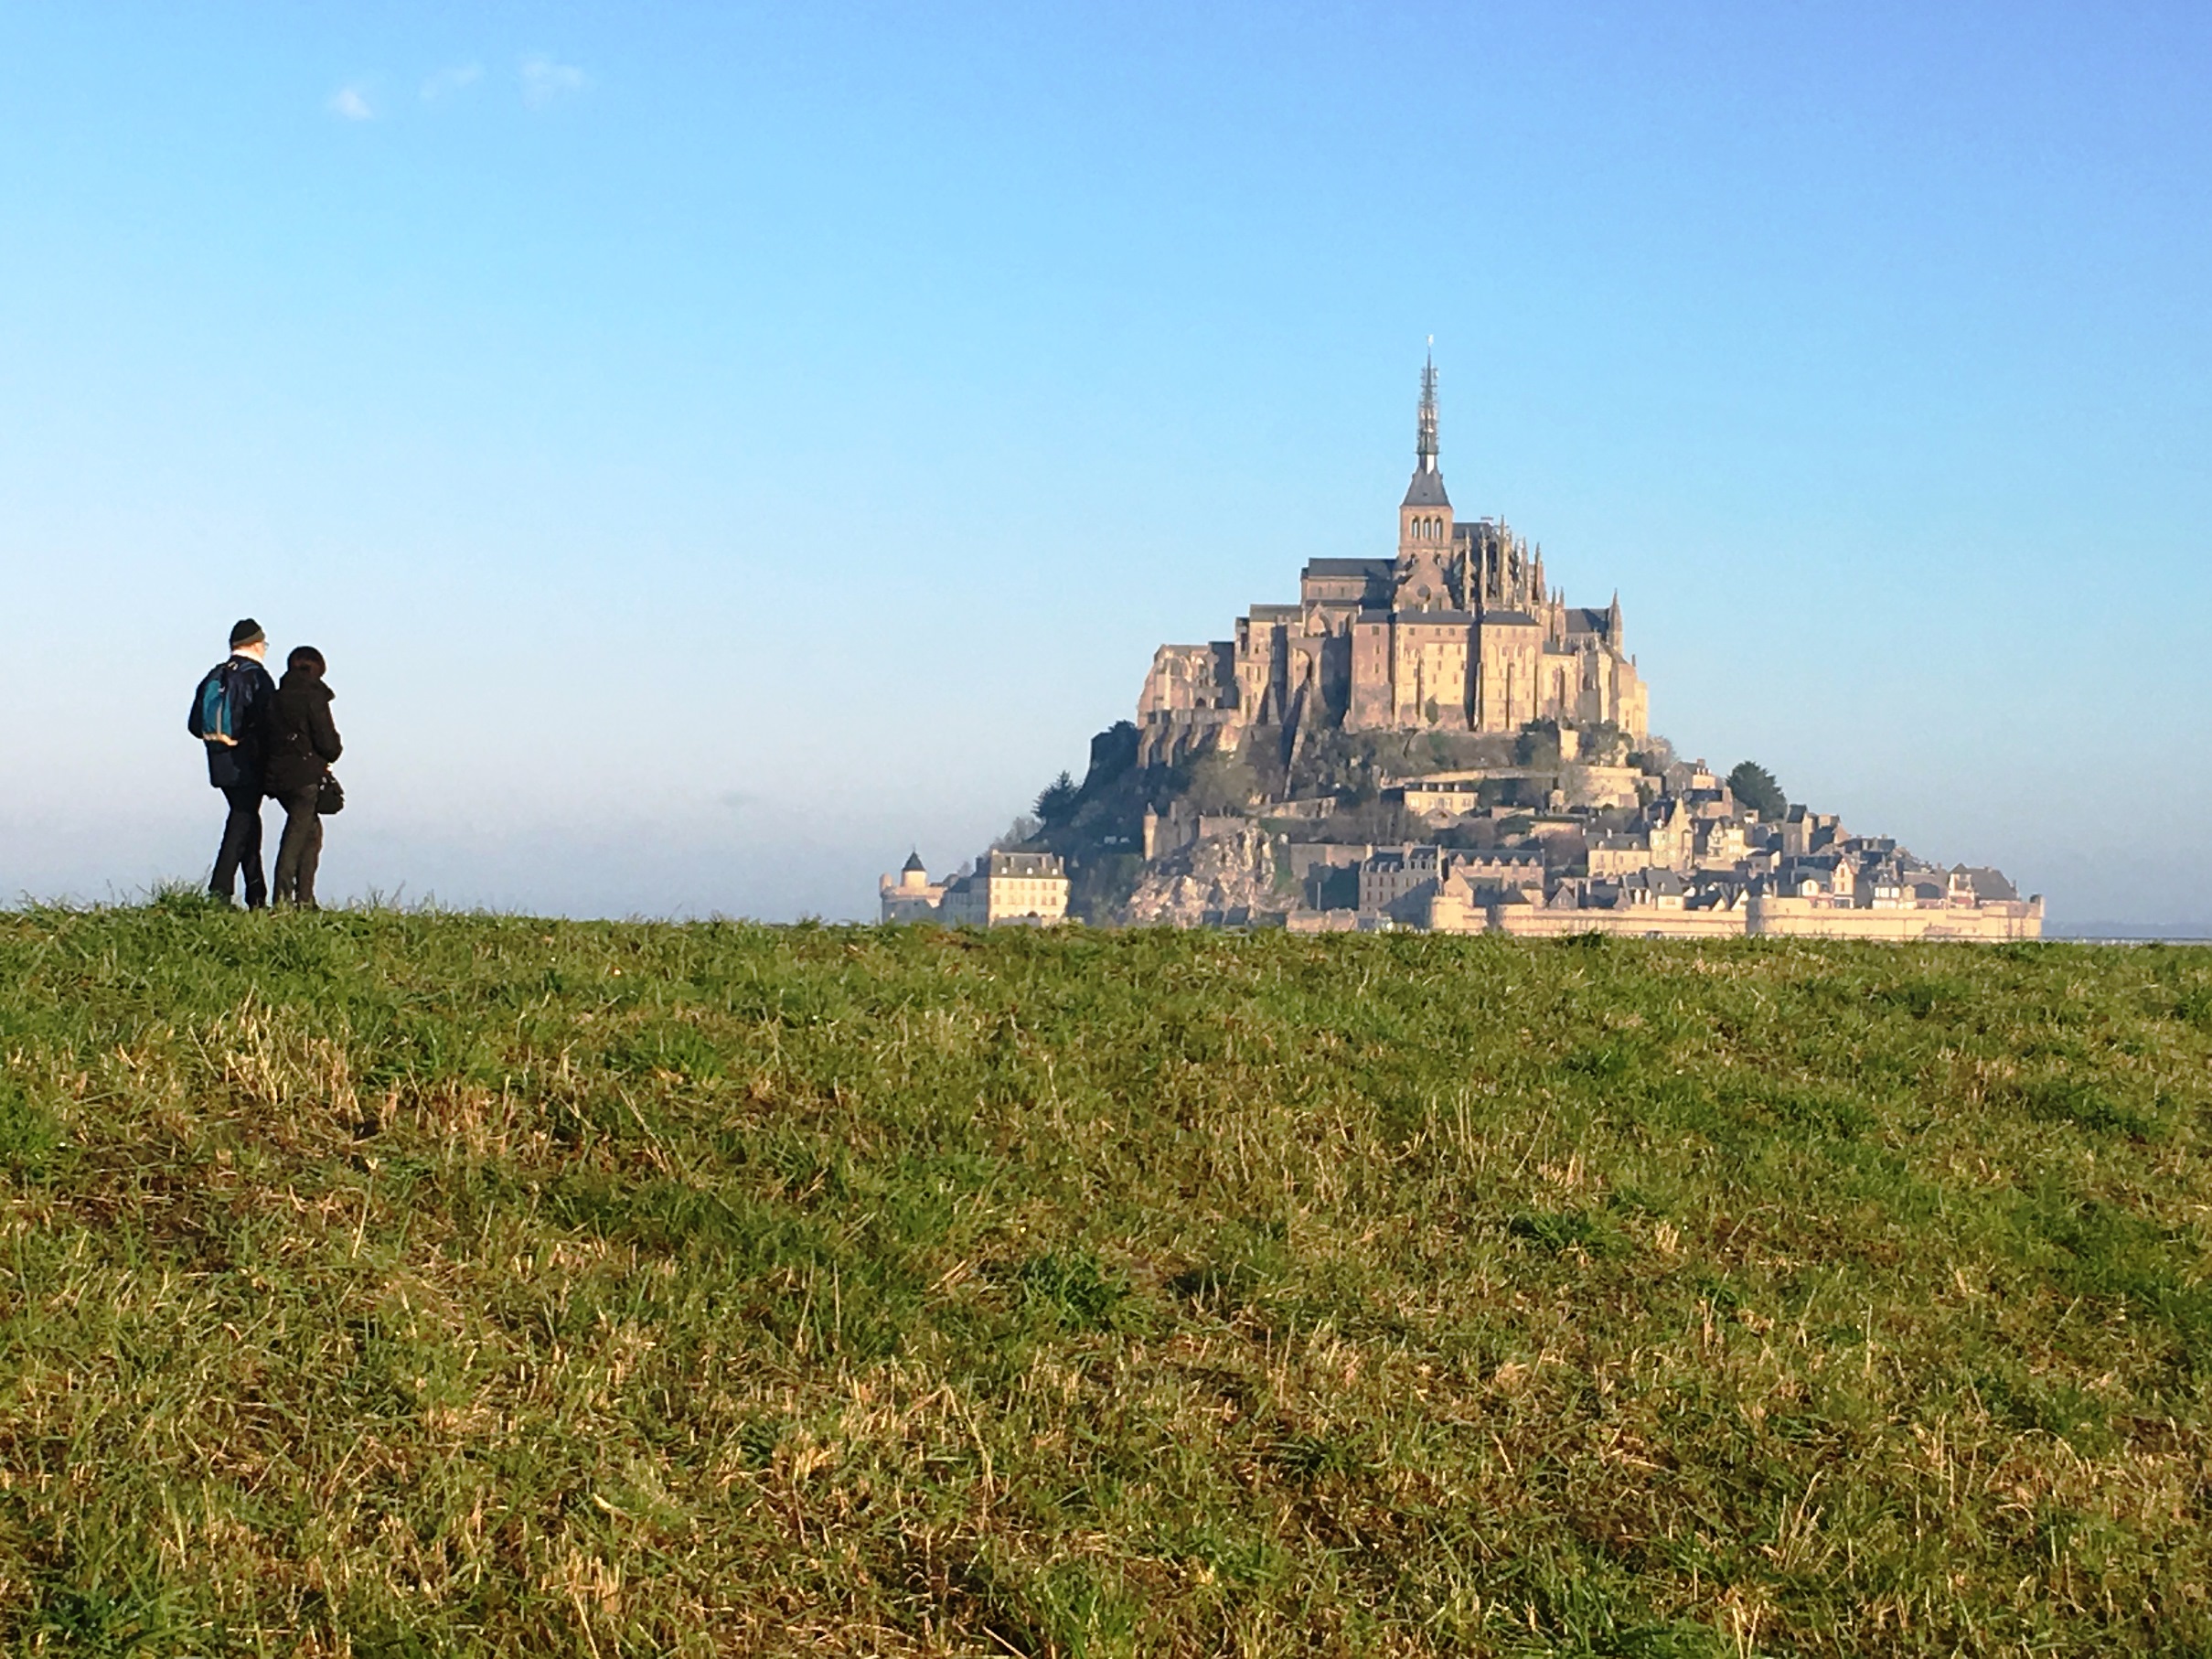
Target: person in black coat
[
  {"x": 234, "y": 763},
  {"x": 303, "y": 741}
]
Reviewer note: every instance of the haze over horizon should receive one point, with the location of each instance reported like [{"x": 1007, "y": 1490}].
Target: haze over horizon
[{"x": 719, "y": 450}]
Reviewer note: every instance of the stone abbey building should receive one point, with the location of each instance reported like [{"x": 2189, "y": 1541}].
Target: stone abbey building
[{"x": 1458, "y": 632}]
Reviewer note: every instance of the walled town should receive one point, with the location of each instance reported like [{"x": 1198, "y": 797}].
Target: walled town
[{"x": 1437, "y": 741}]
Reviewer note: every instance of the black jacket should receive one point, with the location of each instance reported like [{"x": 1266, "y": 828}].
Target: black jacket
[
  {"x": 302, "y": 740},
  {"x": 238, "y": 765}
]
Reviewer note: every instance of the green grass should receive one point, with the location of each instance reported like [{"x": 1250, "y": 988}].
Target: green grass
[{"x": 402, "y": 1284}]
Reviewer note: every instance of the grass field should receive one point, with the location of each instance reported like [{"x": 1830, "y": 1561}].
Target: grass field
[{"x": 393, "y": 1283}]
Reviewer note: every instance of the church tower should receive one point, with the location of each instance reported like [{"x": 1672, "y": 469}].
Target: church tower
[{"x": 1425, "y": 516}]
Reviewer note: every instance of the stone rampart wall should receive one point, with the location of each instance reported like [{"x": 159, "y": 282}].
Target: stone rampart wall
[
  {"x": 1796, "y": 918},
  {"x": 1528, "y": 921}
]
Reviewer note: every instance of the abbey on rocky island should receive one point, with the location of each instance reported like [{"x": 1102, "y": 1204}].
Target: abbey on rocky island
[
  {"x": 1458, "y": 632},
  {"x": 1437, "y": 741}
]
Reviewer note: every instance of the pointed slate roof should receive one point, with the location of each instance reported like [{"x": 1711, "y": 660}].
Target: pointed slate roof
[{"x": 1426, "y": 490}]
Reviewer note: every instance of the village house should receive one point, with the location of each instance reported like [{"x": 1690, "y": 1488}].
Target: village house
[{"x": 1005, "y": 889}]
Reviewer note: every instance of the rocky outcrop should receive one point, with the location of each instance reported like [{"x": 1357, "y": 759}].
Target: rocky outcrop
[{"x": 1225, "y": 877}]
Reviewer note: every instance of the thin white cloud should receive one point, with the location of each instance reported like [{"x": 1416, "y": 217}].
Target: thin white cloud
[
  {"x": 545, "y": 82},
  {"x": 351, "y": 103},
  {"x": 454, "y": 77}
]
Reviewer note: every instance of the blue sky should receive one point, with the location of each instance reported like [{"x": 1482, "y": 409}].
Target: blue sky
[{"x": 721, "y": 447}]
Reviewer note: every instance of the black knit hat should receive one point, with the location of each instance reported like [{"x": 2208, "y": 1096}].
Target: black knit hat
[{"x": 246, "y": 631}]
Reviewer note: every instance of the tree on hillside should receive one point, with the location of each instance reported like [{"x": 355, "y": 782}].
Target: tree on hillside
[
  {"x": 1059, "y": 800},
  {"x": 1604, "y": 745},
  {"x": 1018, "y": 834},
  {"x": 1754, "y": 787},
  {"x": 1538, "y": 746},
  {"x": 1113, "y": 754},
  {"x": 1222, "y": 782}
]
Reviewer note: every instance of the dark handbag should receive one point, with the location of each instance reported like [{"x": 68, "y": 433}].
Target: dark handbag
[{"x": 329, "y": 795}]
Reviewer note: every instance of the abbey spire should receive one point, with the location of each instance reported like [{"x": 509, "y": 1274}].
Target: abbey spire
[
  {"x": 1425, "y": 437},
  {"x": 1426, "y": 490}
]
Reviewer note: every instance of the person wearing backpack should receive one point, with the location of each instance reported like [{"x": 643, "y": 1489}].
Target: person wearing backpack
[
  {"x": 229, "y": 712},
  {"x": 303, "y": 741}
]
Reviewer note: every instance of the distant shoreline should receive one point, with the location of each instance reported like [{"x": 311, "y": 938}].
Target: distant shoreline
[{"x": 2131, "y": 933}]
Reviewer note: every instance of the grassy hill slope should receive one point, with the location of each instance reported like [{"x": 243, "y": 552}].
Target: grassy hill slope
[{"x": 394, "y": 1283}]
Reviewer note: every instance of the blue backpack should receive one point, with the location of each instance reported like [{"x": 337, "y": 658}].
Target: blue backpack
[{"x": 218, "y": 707}]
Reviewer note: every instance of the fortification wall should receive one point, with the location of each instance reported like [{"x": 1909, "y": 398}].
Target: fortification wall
[
  {"x": 1527, "y": 922},
  {"x": 1302, "y": 856},
  {"x": 1777, "y": 918},
  {"x": 1602, "y": 785},
  {"x": 1169, "y": 735}
]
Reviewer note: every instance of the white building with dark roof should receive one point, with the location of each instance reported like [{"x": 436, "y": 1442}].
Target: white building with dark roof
[{"x": 1008, "y": 889}]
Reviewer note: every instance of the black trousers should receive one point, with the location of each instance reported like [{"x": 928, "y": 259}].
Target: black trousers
[
  {"x": 301, "y": 850},
  {"x": 241, "y": 847}
]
